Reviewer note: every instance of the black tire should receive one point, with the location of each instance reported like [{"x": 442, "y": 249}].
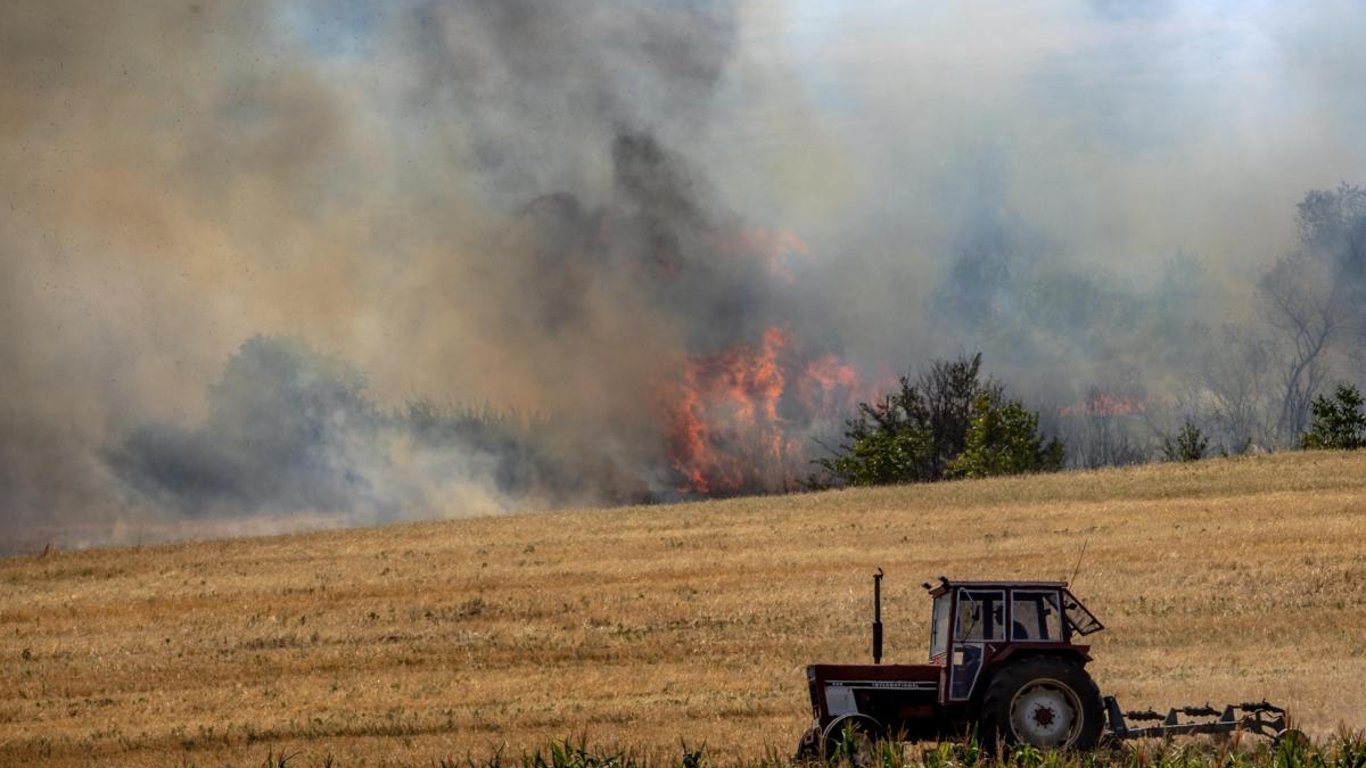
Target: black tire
[
  {"x": 1045, "y": 701},
  {"x": 853, "y": 737},
  {"x": 808, "y": 749}
]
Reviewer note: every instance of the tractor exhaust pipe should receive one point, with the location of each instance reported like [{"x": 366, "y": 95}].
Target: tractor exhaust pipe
[{"x": 877, "y": 617}]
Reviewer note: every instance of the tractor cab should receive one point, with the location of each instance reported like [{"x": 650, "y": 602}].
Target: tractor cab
[{"x": 976, "y": 624}]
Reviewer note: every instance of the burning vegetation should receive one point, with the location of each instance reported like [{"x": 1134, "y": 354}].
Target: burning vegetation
[
  {"x": 743, "y": 419},
  {"x": 716, "y": 393},
  {"x": 403, "y": 260}
]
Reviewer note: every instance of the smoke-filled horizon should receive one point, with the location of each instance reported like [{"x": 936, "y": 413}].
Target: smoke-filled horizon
[{"x": 260, "y": 259}]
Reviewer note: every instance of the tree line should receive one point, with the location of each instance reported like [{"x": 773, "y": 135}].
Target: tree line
[{"x": 1287, "y": 376}]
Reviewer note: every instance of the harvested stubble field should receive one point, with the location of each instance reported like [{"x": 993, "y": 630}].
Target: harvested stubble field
[{"x": 1225, "y": 580}]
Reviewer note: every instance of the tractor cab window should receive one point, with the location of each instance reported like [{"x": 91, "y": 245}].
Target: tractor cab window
[
  {"x": 939, "y": 626},
  {"x": 981, "y": 616},
  {"x": 1035, "y": 616},
  {"x": 1082, "y": 621}
]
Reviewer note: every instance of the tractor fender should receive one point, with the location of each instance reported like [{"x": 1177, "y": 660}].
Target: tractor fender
[
  {"x": 1014, "y": 654},
  {"x": 1016, "y": 651}
]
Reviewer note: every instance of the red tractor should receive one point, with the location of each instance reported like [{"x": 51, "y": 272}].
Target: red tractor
[{"x": 1004, "y": 664}]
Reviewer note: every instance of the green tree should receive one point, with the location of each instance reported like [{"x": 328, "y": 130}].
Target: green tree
[
  {"x": 1190, "y": 444},
  {"x": 920, "y": 432},
  {"x": 1338, "y": 422},
  {"x": 912, "y": 434},
  {"x": 1004, "y": 439},
  {"x": 884, "y": 449}
]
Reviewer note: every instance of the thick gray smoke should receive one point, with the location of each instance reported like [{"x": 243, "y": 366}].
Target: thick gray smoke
[
  {"x": 291, "y": 432},
  {"x": 537, "y": 90},
  {"x": 272, "y": 263}
]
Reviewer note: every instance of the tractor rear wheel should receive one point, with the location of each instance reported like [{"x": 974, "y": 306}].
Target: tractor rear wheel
[{"x": 1044, "y": 701}]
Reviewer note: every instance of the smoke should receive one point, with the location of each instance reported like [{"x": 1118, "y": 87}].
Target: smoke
[
  {"x": 538, "y": 89},
  {"x": 291, "y": 432},
  {"x": 1086, "y": 193},
  {"x": 245, "y": 246}
]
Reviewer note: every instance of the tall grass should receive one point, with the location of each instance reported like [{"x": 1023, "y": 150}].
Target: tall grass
[{"x": 1347, "y": 750}]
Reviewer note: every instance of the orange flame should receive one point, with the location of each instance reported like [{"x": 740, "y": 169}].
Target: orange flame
[
  {"x": 828, "y": 385},
  {"x": 1105, "y": 404},
  {"x": 734, "y": 426}
]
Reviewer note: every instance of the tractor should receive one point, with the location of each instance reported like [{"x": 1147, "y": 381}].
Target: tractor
[{"x": 1004, "y": 665}]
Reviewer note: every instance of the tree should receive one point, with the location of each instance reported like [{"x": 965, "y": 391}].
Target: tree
[
  {"x": 911, "y": 435},
  {"x": 1190, "y": 444},
  {"x": 1332, "y": 227},
  {"x": 918, "y": 433},
  {"x": 1004, "y": 439},
  {"x": 1338, "y": 422},
  {"x": 1306, "y": 302},
  {"x": 1315, "y": 295},
  {"x": 1332, "y": 223},
  {"x": 884, "y": 449},
  {"x": 1238, "y": 389}
]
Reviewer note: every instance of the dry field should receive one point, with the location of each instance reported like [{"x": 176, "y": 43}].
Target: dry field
[{"x": 1223, "y": 581}]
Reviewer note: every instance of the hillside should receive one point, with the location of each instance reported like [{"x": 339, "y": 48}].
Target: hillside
[{"x": 1225, "y": 580}]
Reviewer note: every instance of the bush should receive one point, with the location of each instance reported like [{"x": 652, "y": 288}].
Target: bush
[
  {"x": 1190, "y": 445},
  {"x": 1338, "y": 423}
]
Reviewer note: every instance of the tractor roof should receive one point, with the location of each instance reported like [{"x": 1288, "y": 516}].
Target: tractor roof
[
  {"x": 1082, "y": 621},
  {"x": 945, "y": 585}
]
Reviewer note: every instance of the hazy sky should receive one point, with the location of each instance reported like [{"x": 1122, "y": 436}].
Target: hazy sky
[{"x": 1136, "y": 128}]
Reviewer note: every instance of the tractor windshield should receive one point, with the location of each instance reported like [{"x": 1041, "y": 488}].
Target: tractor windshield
[
  {"x": 1035, "y": 616},
  {"x": 1082, "y": 621}
]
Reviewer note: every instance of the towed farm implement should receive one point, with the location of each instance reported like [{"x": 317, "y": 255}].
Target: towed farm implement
[{"x": 1004, "y": 664}]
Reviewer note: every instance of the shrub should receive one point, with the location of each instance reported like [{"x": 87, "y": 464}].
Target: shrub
[
  {"x": 1338, "y": 422},
  {"x": 1190, "y": 445}
]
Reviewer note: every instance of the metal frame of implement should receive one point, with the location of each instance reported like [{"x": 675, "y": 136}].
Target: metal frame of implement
[{"x": 1260, "y": 717}]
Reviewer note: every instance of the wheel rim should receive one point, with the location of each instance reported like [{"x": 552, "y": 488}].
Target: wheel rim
[
  {"x": 864, "y": 748},
  {"x": 855, "y": 739},
  {"x": 1046, "y": 714}
]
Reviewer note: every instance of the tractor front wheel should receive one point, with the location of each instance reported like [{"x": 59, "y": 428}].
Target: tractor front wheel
[
  {"x": 1044, "y": 701},
  {"x": 856, "y": 738}
]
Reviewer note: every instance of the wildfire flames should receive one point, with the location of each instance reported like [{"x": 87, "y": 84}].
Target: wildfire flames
[
  {"x": 741, "y": 419},
  {"x": 1105, "y": 404}
]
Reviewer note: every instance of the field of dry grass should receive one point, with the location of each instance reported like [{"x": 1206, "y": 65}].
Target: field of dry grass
[{"x": 1225, "y": 580}]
